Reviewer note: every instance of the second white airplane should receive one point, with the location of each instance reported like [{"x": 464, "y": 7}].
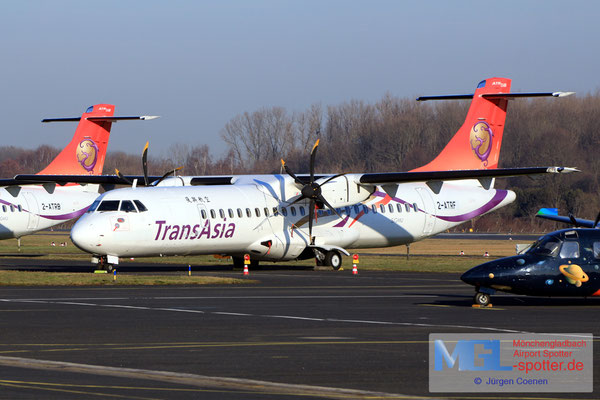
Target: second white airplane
[{"x": 289, "y": 217}]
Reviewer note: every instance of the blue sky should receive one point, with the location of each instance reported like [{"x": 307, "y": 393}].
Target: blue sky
[{"x": 199, "y": 63}]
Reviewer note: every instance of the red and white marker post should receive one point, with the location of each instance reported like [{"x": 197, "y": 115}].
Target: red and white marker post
[
  {"x": 354, "y": 263},
  {"x": 246, "y": 263}
]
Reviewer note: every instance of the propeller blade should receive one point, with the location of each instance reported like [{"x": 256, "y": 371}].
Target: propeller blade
[
  {"x": 597, "y": 220},
  {"x": 145, "y": 163},
  {"x": 167, "y": 174},
  {"x": 573, "y": 220},
  {"x": 332, "y": 178},
  {"x": 311, "y": 215},
  {"x": 290, "y": 173},
  {"x": 313, "y": 154},
  {"x": 322, "y": 200},
  {"x": 120, "y": 175},
  {"x": 299, "y": 199}
]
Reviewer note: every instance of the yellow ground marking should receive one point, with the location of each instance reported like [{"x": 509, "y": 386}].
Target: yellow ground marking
[
  {"x": 33, "y": 386},
  {"x": 233, "y": 385},
  {"x": 437, "y": 305},
  {"x": 208, "y": 345},
  {"x": 49, "y": 387}
]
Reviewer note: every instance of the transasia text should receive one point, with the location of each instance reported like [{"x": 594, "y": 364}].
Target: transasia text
[{"x": 191, "y": 232}]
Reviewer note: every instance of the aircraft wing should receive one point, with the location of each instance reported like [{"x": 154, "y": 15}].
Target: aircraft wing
[
  {"x": 426, "y": 176},
  {"x": 552, "y": 215},
  {"x": 484, "y": 175},
  {"x": 20, "y": 180}
]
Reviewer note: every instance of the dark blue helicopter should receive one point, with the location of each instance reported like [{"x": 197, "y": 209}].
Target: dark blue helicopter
[{"x": 561, "y": 263}]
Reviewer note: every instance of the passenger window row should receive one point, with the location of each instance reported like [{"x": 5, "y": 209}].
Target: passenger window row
[
  {"x": 12, "y": 208},
  {"x": 295, "y": 211}
]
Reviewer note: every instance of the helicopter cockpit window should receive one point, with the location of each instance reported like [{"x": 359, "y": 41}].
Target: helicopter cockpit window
[
  {"x": 569, "y": 250},
  {"x": 596, "y": 250},
  {"x": 109, "y": 205},
  {"x": 546, "y": 246}
]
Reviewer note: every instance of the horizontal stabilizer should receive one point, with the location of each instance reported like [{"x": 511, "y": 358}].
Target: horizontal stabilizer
[
  {"x": 495, "y": 96},
  {"x": 108, "y": 119},
  {"x": 552, "y": 215}
]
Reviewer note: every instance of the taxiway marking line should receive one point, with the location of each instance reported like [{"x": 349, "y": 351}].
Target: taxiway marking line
[
  {"x": 76, "y": 301},
  {"x": 48, "y": 389},
  {"x": 371, "y": 322},
  {"x": 255, "y": 386}
]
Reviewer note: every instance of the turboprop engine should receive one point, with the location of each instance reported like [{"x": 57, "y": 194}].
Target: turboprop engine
[{"x": 342, "y": 191}]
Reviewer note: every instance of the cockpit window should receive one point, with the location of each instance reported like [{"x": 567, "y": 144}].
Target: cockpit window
[
  {"x": 93, "y": 206},
  {"x": 127, "y": 206},
  {"x": 140, "y": 206},
  {"x": 546, "y": 246},
  {"x": 596, "y": 250},
  {"x": 109, "y": 205},
  {"x": 569, "y": 250}
]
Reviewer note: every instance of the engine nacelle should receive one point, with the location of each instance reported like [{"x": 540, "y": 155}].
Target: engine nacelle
[
  {"x": 174, "y": 181},
  {"x": 342, "y": 192}
]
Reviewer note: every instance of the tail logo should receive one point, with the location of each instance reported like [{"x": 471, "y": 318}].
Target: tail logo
[
  {"x": 87, "y": 154},
  {"x": 481, "y": 140}
]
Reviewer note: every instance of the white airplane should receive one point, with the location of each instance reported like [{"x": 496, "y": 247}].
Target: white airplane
[
  {"x": 31, "y": 205},
  {"x": 270, "y": 217}
]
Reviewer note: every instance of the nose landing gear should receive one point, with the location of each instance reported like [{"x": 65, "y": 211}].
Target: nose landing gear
[
  {"x": 103, "y": 264},
  {"x": 481, "y": 299}
]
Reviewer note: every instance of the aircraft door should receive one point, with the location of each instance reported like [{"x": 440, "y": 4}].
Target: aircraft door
[
  {"x": 428, "y": 210},
  {"x": 33, "y": 214}
]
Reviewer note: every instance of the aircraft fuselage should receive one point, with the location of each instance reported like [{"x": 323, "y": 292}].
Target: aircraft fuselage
[{"x": 247, "y": 217}]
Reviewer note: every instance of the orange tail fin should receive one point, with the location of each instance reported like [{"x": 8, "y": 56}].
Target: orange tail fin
[
  {"x": 85, "y": 154},
  {"x": 477, "y": 143}
]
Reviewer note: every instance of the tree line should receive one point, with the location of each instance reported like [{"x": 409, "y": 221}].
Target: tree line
[{"x": 392, "y": 134}]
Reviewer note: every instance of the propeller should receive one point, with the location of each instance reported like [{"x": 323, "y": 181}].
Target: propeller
[
  {"x": 145, "y": 169},
  {"x": 597, "y": 220},
  {"x": 573, "y": 220},
  {"x": 311, "y": 190}
]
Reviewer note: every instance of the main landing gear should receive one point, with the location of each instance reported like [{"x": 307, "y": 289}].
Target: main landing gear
[{"x": 331, "y": 258}]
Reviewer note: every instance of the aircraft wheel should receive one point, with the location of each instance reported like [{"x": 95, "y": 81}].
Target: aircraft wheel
[
  {"x": 109, "y": 267},
  {"x": 482, "y": 299},
  {"x": 333, "y": 259}
]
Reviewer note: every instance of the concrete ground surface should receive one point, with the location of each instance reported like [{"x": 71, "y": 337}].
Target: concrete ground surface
[{"x": 297, "y": 333}]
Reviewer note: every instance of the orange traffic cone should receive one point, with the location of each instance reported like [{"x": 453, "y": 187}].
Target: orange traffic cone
[
  {"x": 354, "y": 269},
  {"x": 246, "y": 272}
]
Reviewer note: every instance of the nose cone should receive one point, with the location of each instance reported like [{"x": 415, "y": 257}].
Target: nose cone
[
  {"x": 84, "y": 236},
  {"x": 481, "y": 275}
]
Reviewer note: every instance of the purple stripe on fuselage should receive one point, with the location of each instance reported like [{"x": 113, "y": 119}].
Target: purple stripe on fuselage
[
  {"x": 497, "y": 199},
  {"x": 341, "y": 223},
  {"x": 71, "y": 215}
]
